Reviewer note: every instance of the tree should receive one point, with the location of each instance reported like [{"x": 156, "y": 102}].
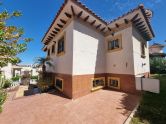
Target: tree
[
  {"x": 12, "y": 41},
  {"x": 45, "y": 80},
  {"x": 158, "y": 65},
  {"x": 41, "y": 61}
]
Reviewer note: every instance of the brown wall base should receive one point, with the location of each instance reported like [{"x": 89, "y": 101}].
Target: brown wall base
[
  {"x": 67, "y": 83},
  {"x": 127, "y": 82},
  {"x": 80, "y": 85}
]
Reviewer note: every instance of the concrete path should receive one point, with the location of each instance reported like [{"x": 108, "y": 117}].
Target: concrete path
[{"x": 100, "y": 107}]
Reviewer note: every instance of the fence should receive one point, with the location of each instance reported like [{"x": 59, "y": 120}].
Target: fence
[
  {"x": 148, "y": 84},
  {"x": 13, "y": 84}
]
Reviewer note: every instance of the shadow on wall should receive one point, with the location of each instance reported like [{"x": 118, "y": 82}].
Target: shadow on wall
[
  {"x": 97, "y": 50},
  {"x": 100, "y": 59}
]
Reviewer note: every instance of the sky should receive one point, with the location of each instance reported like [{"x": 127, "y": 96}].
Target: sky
[{"x": 38, "y": 15}]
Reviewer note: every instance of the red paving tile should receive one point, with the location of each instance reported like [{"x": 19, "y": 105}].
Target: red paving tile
[{"x": 100, "y": 107}]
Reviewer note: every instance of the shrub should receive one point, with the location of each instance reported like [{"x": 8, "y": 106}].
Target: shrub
[
  {"x": 158, "y": 65},
  {"x": 7, "y": 83},
  {"x": 44, "y": 84},
  {"x": 3, "y": 96},
  {"x": 16, "y": 78},
  {"x": 34, "y": 77}
]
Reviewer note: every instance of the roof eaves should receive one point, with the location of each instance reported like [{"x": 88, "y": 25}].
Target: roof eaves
[
  {"x": 129, "y": 12},
  {"x": 89, "y": 10},
  {"x": 148, "y": 23},
  {"x": 57, "y": 14},
  {"x": 79, "y": 4},
  {"x": 141, "y": 7}
]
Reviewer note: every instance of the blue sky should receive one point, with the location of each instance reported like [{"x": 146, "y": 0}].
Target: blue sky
[{"x": 38, "y": 15}]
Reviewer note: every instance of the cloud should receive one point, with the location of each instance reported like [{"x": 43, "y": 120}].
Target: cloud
[
  {"x": 157, "y": 1},
  {"x": 123, "y": 4},
  {"x": 116, "y": 8}
]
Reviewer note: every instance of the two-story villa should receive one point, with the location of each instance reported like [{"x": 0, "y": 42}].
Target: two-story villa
[
  {"x": 89, "y": 53},
  {"x": 157, "y": 50}
]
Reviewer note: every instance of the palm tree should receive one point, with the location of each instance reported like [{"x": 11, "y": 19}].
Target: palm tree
[
  {"x": 44, "y": 81},
  {"x": 41, "y": 61}
]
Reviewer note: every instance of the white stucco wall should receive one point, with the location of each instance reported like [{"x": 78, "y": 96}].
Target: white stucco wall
[
  {"x": 88, "y": 50},
  {"x": 121, "y": 61},
  {"x": 63, "y": 64},
  {"x": 138, "y": 60},
  {"x": 7, "y": 71},
  {"x": 30, "y": 69}
]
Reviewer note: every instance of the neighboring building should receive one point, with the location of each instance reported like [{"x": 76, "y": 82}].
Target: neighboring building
[
  {"x": 89, "y": 53},
  {"x": 156, "y": 50},
  {"x": 10, "y": 70}
]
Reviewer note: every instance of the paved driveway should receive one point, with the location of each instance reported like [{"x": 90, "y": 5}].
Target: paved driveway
[{"x": 100, "y": 107}]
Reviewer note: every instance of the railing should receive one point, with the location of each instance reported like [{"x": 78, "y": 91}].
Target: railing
[{"x": 13, "y": 84}]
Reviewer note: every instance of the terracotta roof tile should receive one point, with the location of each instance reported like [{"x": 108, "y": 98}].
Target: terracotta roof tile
[
  {"x": 141, "y": 6},
  {"x": 83, "y": 6},
  {"x": 131, "y": 11},
  {"x": 60, "y": 10}
]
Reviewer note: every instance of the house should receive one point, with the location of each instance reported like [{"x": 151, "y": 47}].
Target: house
[
  {"x": 10, "y": 70},
  {"x": 156, "y": 50},
  {"x": 89, "y": 53}
]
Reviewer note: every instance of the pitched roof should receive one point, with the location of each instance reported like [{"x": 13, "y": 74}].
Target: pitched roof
[
  {"x": 144, "y": 11},
  {"x": 141, "y": 7},
  {"x": 157, "y": 45},
  {"x": 80, "y": 5},
  {"x": 89, "y": 10}
]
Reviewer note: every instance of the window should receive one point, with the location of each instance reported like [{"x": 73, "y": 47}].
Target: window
[
  {"x": 115, "y": 43},
  {"x": 98, "y": 83},
  {"x": 48, "y": 52},
  {"x": 142, "y": 49},
  {"x": 61, "y": 46},
  {"x": 114, "y": 82},
  {"x": 53, "y": 48},
  {"x": 59, "y": 84}
]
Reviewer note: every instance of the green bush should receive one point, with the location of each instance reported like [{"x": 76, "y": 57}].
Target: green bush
[
  {"x": 3, "y": 96},
  {"x": 44, "y": 84},
  {"x": 158, "y": 65},
  {"x": 7, "y": 83},
  {"x": 34, "y": 77},
  {"x": 16, "y": 78}
]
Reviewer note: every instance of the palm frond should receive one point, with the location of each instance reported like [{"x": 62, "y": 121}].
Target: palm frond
[{"x": 39, "y": 61}]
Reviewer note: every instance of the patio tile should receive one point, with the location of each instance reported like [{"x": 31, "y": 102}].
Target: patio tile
[{"x": 103, "y": 106}]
